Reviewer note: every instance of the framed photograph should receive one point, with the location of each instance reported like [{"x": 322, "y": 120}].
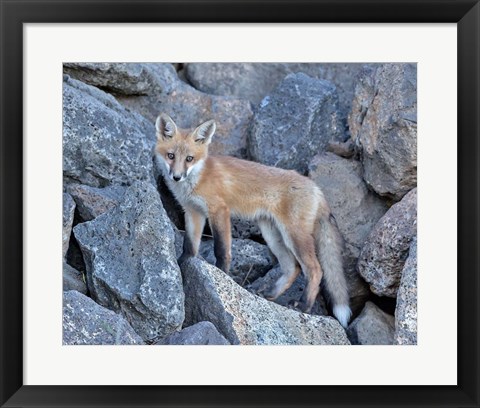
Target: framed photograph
[{"x": 287, "y": 133}]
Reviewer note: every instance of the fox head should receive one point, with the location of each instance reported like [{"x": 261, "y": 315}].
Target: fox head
[{"x": 182, "y": 151}]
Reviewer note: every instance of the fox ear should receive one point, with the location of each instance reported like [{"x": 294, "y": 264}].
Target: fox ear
[
  {"x": 204, "y": 132},
  {"x": 166, "y": 127}
]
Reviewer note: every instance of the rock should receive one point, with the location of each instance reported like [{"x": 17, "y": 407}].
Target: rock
[
  {"x": 129, "y": 254},
  {"x": 250, "y": 260},
  {"x": 406, "y": 310},
  {"x": 189, "y": 108},
  {"x": 68, "y": 213},
  {"x": 291, "y": 295},
  {"x": 245, "y": 229},
  {"x": 295, "y": 122},
  {"x": 383, "y": 123},
  {"x": 93, "y": 201},
  {"x": 243, "y": 318},
  {"x": 73, "y": 279},
  {"x": 354, "y": 207},
  {"x": 103, "y": 144},
  {"x": 202, "y": 333},
  {"x": 372, "y": 326},
  {"x": 124, "y": 78},
  {"x": 253, "y": 81},
  {"x": 86, "y": 322},
  {"x": 383, "y": 256}
]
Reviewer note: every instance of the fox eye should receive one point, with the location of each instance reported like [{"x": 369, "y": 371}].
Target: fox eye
[
  {"x": 171, "y": 156},
  {"x": 189, "y": 158}
]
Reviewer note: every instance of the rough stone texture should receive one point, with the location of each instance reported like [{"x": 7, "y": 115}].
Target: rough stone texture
[
  {"x": 68, "y": 213},
  {"x": 386, "y": 249},
  {"x": 189, "y": 108},
  {"x": 354, "y": 207},
  {"x": 372, "y": 326},
  {"x": 383, "y": 123},
  {"x": 295, "y": 122},
  {"x": 291, "y": 295},
  {"x": 243, "y": 318},
  {"x": 129, "y": 253},
  {"x": 254, "y": 81},
  {"x": 103, "y": 143},
  {"x": 245, "y": 229},
  {"x": 124, "y": 78},
  {"x": 406, "y": 310},
  {"x": 250, "y": 260},
  {"x": 87, "y": 323},
  {"x": 73, "y": 279},
  {"x": 202, "y": 333},
  {"x": 93, "y": 201}
]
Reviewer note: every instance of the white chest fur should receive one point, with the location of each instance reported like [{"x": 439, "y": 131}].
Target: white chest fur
[{"x": 184, "y": 191}]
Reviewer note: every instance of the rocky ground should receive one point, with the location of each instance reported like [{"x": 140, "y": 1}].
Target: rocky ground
[{"x": 351, "y": 128}]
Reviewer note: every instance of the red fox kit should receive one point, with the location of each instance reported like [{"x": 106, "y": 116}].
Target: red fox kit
[{"x": 290, "y": 210}]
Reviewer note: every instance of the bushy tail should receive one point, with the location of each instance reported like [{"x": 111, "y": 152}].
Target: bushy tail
[{"x": 329, "y": 250}]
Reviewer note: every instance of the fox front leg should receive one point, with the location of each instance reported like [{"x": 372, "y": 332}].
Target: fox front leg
[
  {"x": 222, "y": 237},
  {"x": 194, "y": 223}
]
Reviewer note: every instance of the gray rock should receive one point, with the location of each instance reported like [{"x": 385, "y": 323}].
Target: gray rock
[
  {"x": 73, "y": 279},
  {"x": 295, "y": 122},
  {"x": 253, "y": 81},
  {"x": 383, "y": 256},
  {"x": 354, "y": 207},
  {"x": 93, "y": 201},
  {"x": 383, "y": 123},
  {"x": 129, "y": 254},
  {"x": 245, "y": 229},
  {"x": 372, "y": 326},
  {"x": 243, "y": 318},
  {"x": 250, "y": 260},
  {"x": 87, "y": 323},
  {"x": 68, "y": 213},
  {"x": 189, "y": 108},
  {"x": 103, "y": 143},
  {"x": 291, "y": 296},
  {"x": 202, "y": 333},
  {"x": 124, "y": 78},
  {"x": 406, "y": 310}
]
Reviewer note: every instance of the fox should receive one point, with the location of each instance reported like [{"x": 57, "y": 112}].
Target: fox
[{"x": 290, "y": 210}]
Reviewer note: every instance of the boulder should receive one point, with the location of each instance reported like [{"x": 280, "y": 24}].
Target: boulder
[
  {"x": 384, "y": 254},
  {"x": 406, "y": 310},
  {"x": 295, "y": 122},
  {"x": 291, "y": 296},
  {"x": 189, "y": 108},
  {"x": 86, "y": 322},
  {"x": 250, "y": 260},
  {"x": 93, "y": 201},
  {"x": 202, "y": 333},
  {"x": 103, "y": 143},
  {"x": 245, "y": 229},
  {"x": 73, "y": 279},
  {"x": 68, "y": 213},
  {"x": 124, "y": 78},
  {"x": 383, "y": 123},
  {"x": 372, "y": 326},
  {"x": 243, "y": 318},
  {"x": 254, "y": 81},
  {"x": 129, "y": 254},
  {"x": 354, "y": 207}
]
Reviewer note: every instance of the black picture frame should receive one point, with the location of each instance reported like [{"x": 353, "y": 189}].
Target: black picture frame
[{"x": 14, "y": 13}]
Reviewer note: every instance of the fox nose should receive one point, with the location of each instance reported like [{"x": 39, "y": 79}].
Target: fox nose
[{"x": 176, "y": 178}]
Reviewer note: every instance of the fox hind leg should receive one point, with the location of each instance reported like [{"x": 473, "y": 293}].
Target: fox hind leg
[
  {"x": 286, "y": 259},
  {"x": 303, "y": 247}
]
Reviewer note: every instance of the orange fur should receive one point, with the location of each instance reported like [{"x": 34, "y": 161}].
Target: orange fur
[{"x": 290, "y": 209}]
